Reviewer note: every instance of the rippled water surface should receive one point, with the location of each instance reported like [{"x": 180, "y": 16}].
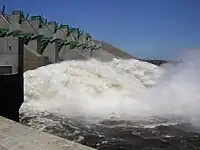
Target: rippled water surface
[{"x": 155, "y": 133}]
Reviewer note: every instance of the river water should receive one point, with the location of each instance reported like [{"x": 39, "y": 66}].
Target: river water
[{"x": 122, "y": 104}]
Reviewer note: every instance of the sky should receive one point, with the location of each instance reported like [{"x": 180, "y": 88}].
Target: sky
[{"x": 159, "y": 29}]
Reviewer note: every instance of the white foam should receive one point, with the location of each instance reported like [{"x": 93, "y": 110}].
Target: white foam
[
  {"x": 90, "y": 88},
  {"x": 96, "y": 89}
]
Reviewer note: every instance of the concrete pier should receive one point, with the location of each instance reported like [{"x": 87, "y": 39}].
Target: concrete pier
[
  {"x": 15, "y": 136},
  {"x": 11, "y": 80}
]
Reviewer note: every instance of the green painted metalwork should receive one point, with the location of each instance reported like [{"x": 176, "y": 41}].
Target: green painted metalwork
[
  {"x": 3, "y": 32},
  {"x": 24, "y": 35},
  {"x": 88, "y": 36},
  {"x": 79, "y": 32},
  {"x": 45, "y": 22},
  {"x": 82, "y": 45},
  {"x": 64, "y": 26},
  {"x": 79, "y": 38},
  {"x": 35, "y": 36},
  {"x": 51, "y": 23},
  {"x": 3, "y": 9},
  {"x": 21, "y": 17},
  {"x": 39, "y": 18},
  {"x": 54, "y": 24},
  {"x": 56, "y": 27},
  {"x": 73, "y": 44},
  {"x": 15, "y": 12},
  {"x": 45, "y": 39},
  {"x": 27, "y": 15},
  {"x": 60, "y": 45},
  {"x": 57, "y": 40},
  {"x": 44, "y": 42},
  {"x": 97, "y": 46},
  {"x": 74, "y": 30},
  {"x": 68, "y": 33}
]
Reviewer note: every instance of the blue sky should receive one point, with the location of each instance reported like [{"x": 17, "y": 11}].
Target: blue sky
[{"x": 144, "y": 28}]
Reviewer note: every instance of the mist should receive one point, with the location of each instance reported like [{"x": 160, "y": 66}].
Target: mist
[{"x": 178, "y": 90}]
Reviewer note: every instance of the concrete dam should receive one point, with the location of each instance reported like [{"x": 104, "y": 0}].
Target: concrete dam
[{"x": 47, "y": 42}]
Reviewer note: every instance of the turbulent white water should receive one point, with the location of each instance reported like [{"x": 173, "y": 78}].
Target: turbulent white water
[
  {"x": 120, "y": 87},
  {"x": 90, "y": 88}
]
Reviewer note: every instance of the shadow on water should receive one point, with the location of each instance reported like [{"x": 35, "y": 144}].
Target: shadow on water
[{"x": 119, "y": 134}]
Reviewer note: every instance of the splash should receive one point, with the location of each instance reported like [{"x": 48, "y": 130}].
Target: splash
[
  {"x": 117, "y": 88},
  {"x": 89, "y": 88}
]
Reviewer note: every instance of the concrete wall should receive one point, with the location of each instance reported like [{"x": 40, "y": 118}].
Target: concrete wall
[
  {"x": 32, "y": 59},
  {"x": 26, "y": 27},
  {"x": 35, "y": 24},
  {"x": 3, "y": 22},
  {"x": 59, "y": 34},
  {"x": 51, "y": 51},
  {"x": 9, "y": 52},
  {"x": 14, "y": 22},
  {"x": 70, "y": 54},
  {"x": 14, "y": 136},
  {"x": 35, "y": 44},
  {"x": 77, "y": 54},
  {"x": 11, "y": 84}
]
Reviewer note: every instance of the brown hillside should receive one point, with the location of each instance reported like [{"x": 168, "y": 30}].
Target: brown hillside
[{"x": 115, "y": 51}]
